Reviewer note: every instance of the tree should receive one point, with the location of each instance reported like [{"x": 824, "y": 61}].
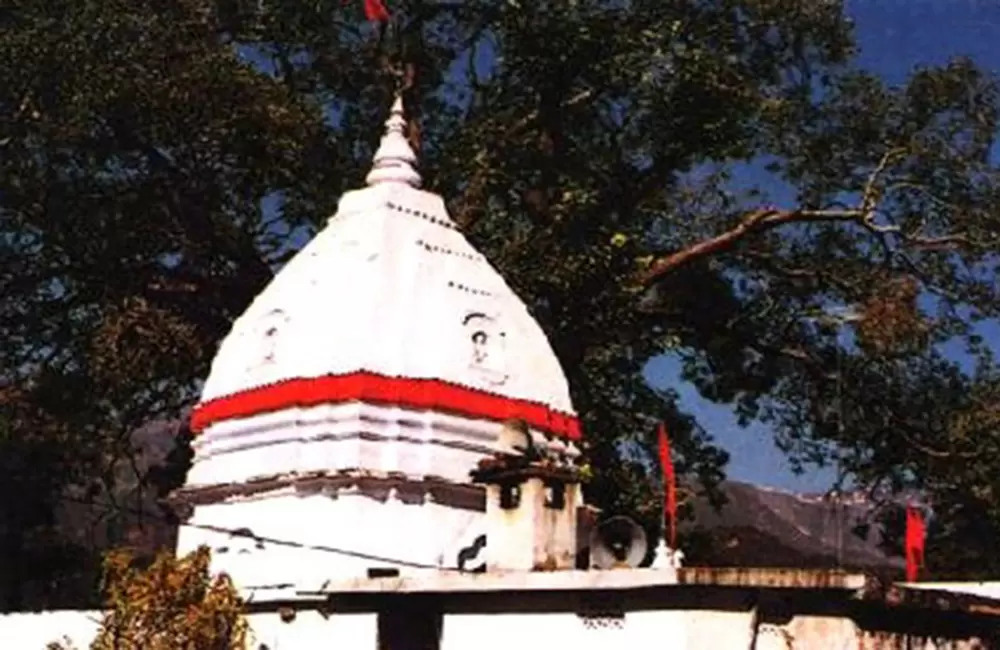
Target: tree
[
  {"x": 38, "y": 565},
  {"x": 173, "y": 604},
  {"x": 598, "y": 153},
  {"x": 137, "y": 153}
]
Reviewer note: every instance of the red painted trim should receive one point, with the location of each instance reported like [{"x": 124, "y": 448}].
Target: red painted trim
[{"x": 413, "y": 394}]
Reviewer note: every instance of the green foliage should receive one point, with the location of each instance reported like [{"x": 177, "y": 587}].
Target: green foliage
[
  {"x": 594, "y": 151},
  {"x": 38, "y": 565},
  {"x": 136, "y": 154},
  {"x": 174, "y": 604}
]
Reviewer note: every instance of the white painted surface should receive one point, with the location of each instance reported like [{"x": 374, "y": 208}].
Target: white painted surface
[
  {"x": 983, "y": 589},
  {"x": 311, "y": 631},
  {"x": 528, "y": 631},
  {"x": 674, "y": 629},
  {"x": 532, "y": 535},
  {"x": 825, "y": 632},
  {"x": 711, "y": 630},
  {"x": 425, "y": 533},
  {"x": 308, "y": 631},
  {"x": 394, "y": 159},
  {"x": 390, "y": 286},
  {"x": 371, "y": 292},
  {"x": 327, "y": 438},
  {"x": 584, "y": 581},
  {"x": 33, "y": 631}
]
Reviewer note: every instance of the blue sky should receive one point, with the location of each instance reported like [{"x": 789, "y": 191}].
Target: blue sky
[{"x": 894, "y": 36}]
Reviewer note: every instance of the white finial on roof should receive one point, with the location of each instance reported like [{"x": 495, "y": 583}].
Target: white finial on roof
[
  {"x": 667, "y": 558},
  {"x": 394, "y": 159}
]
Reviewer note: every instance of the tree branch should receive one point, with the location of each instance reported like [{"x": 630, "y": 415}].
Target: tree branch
[
  {"x": 760, "y": 221},
  {"x": 929, "y": 451},
  {"x": 765, "y": 219}
]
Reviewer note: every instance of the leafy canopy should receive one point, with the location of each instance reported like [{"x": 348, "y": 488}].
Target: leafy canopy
[{"x": 713, "y": 180}]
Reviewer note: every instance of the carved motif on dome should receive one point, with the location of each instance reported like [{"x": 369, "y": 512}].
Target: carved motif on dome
[
  {"x": 267, "y": 337},
  {"x": 487, "y": 342}
]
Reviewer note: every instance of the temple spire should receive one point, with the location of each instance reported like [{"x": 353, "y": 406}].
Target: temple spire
[{"x": 394, "y": 161}]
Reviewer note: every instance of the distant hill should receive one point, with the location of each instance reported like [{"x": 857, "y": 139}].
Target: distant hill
[
  {"x": 130, "y": 513},
  {"x": 762, "y": 526}
]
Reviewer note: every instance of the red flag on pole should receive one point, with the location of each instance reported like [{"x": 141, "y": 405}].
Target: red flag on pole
[
  {"x": 669, "y": 487},
  {"x": 376, "y": 11},
  {"x": 914, "y": 544}
]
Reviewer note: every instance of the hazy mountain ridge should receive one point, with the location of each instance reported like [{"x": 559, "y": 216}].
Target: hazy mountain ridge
[{"x": 769, "y": 527}]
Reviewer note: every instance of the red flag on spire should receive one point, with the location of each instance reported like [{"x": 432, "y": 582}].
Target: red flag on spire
[
  {"x": 914, "y": 544},
  {"x": 669, "y": 486},
  {"x": 376, "y": 11}
]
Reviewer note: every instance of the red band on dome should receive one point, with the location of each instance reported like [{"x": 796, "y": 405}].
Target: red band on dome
[{"x": 413, "y": 394}]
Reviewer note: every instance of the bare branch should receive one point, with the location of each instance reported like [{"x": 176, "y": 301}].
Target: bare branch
[
  {"x": 775, "y": 266},
  {"x": 528, "y": 119},
  {"x": 922, "y": 189},
  {"x": 870, "y": 194},
  {"x": 755, "y": 222},
  {"x": 928, "y": 451},
  {"x": 946, "y": 242},
  {"x": 863, "y": 214}
]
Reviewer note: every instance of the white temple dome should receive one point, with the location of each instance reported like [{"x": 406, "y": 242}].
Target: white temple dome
[{"x": 388, "y": 325}]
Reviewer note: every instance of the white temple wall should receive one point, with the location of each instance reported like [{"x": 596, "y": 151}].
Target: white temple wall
[
  {"x": 686, "y": 629},
  {"x": 379, "y": 525},
  {"x": 309, "y": 630},
  {"x": 679, "y": 629}
]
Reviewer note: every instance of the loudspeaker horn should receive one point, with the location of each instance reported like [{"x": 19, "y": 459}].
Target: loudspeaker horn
[{"x": 618, "y": 543}]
